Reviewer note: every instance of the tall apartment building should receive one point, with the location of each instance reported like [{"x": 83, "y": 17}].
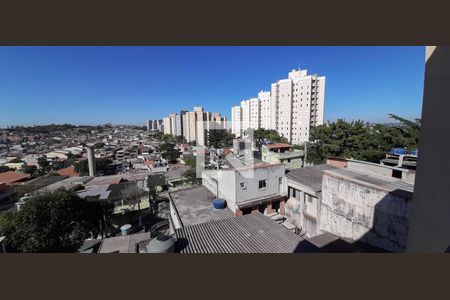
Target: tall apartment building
[
  {"x": 217, "y": 121},
  {"x": 194, "y": 125},
  {"x": 154, "y": 125},
  {"x": 182, "y": 123},
  {"x": 297, "y": 104},
  {"x": 173, "y": 124},
  {"x": 252, "y": 113},
  {"x": 167, "y": 124},
  {"x": 236, "y": 120},
  {"x": 191, "y": 126},
  {"x": 264, "y": 109},
  {"x": 292, "y": 107},
  {"x": 178, "y": 125},
  {"x": 149, "y": 125},
  {"x": 200, "y": 116}
]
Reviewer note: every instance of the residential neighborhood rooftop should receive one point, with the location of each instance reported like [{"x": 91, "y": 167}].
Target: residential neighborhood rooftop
[
  {"x": 123, "y": 244},
  {"x": 11, "y": 177},
  {"x": 310, "y": 177},
  {"x": 195, "y": 205},
  {"x": 252, "y": 233},
  {"x": 385, "y": 183}
]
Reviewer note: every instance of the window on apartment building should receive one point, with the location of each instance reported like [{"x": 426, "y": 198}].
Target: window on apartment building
[
  {"x": 262, "y": 184},
  {"x": 242, "y": 184}
]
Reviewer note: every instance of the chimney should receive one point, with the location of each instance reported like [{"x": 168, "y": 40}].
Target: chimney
[{"x": 91, "y": 161}]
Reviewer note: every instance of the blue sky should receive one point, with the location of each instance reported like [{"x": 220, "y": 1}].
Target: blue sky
[{"x": 127, "y": 85}]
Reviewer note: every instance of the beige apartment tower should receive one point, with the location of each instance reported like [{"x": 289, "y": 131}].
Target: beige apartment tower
[{"x": 297, "y": 104}]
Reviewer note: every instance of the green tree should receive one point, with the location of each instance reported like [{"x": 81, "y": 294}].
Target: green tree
[
  {"x": 359, "y": 140},
  {"x": 54, "y": 222},
  {"x": 260, "y": 134},
  {"x": 82, "y": 167},
  {"x": 32, "y": 170},
  {"x": 169, "y": 152},
  {"x": 16, "y": 160},
  {"x": 191, "y": 173},
  {"x": 43, "y": 163},
  {"x": 98, "y": 145},
  {"x": 4, "y": 169},
  {"x": 219, "y": 138}
]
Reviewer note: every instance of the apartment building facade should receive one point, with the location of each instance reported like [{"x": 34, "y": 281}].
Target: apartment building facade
[
  {"x": 194, "y": 125},
  {"x": 236, "y": 120},
  {"x": 292, "y": 107},
  {"x": 167, "y": 125},
  {"x": 297, "y": 104}
]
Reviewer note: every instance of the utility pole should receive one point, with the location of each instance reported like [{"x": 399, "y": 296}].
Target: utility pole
[{"x": 305, "y": 153}]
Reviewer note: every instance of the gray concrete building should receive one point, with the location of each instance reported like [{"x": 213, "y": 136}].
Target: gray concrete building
[
  {"x": 354, "y": 200},
  {"x": 248, "y": 187}
]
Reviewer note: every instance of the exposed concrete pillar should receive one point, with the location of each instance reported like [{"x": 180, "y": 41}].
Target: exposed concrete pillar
[
  {"x": 430, "y": 214},
  {"x": 91, "y": 161}
]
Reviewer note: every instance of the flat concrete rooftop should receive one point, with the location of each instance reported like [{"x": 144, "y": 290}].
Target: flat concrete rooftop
[
  {"x": 194, "y": 206},
  {"x": 384, "y": 183}
]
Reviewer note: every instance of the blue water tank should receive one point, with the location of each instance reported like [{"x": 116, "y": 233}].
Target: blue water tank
[
  {"x": 398, "y": 151},
  {"x": 219, "y": 203}
]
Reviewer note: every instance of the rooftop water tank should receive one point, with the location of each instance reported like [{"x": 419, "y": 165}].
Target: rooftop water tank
[
  {"x": 162, "y": 243},
  {"x": 125, "y": 229},
  {"x": 219, "y": 203},
  {"x": 398, "y": 151}
]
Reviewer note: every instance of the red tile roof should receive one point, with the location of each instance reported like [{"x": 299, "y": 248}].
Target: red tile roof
[
  {"x": 69, "y": 171},
  {"x": 10, "y": 177}
]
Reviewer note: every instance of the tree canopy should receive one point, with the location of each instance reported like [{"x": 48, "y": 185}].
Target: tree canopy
[
  {"x": 359, "y": 140},
  {"x": 191, "y": 173},
  {"x": 219, "y": 138},
  {"x": 101, "y": 164},
  {"x": 5, "y": 169},
  {"x": 169, "y": 152},
  {"x": 261, "y": 134},
  {"x": 32, "y": 170},
  {"x": 54, "y": 222}
]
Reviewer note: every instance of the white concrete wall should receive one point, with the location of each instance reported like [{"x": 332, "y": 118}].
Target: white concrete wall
[
  {"x": 226, "y": 185},
  {"x": 357, "y": 212},
  {"x": 174, "y": 216},
  {"x": 251, "y": 178}
]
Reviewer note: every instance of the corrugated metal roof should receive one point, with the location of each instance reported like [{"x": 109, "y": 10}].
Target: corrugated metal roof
[
  {"x": 252, "y": 233},
  {"x": 310, "y": 177}
]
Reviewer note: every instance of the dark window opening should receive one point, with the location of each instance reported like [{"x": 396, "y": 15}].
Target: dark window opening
[
  {"x": 262, "y": 184},
  {"x": 247, "y": 211},
  {"x": 397, "y": 174}
]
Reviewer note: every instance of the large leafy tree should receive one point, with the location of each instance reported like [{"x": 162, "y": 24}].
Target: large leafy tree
[
  {"x": 5, "y": 169},
  {"x": 261, "y": 134},
  {"x": 53, "y": 222},
  {"x": 191, "y": 173},
  {"x": 169, "y": 152},
  {"x": 32, "y": 170},
  {"x": 101, "y": 164},
  {"x": 219, "y": 138},
  {"x": 359, "y": 140}
]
